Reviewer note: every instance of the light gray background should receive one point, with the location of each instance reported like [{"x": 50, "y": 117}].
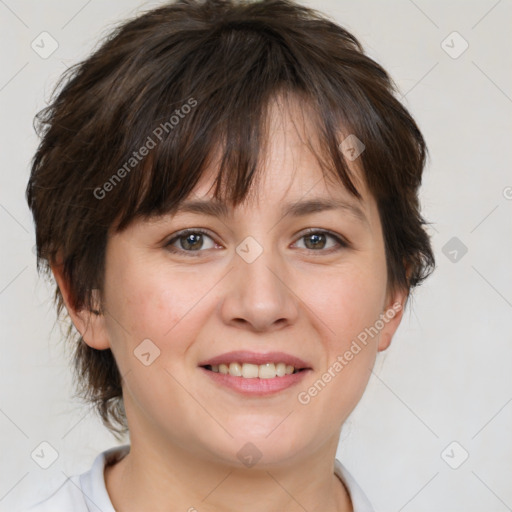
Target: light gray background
[{"x": 447, "y": 375}]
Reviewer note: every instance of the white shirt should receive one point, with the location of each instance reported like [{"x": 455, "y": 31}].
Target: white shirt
[{"x": 87, "y": 492}]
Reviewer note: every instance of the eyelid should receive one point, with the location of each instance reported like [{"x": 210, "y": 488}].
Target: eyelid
[
  {"x": 184, "y": 232},
  {"x": 341, "y": 240}
]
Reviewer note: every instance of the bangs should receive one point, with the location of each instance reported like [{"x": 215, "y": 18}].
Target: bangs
[{"x": 189, "y": 125}]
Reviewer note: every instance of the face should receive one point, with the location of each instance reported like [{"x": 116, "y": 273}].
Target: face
[{"x": 250, "y": 287}]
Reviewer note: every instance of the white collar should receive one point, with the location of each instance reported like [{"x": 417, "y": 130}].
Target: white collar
[{"x": 93, "y": 486}]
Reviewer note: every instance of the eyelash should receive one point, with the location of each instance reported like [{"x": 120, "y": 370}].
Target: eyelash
[{"x": 342, "y": 243}]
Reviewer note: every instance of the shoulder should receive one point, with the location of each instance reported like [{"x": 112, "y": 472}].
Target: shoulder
[
  {"x": 67, "y": 497},
  {"x": 81, "y": 492},
  {"x": 360, "y": 502}
]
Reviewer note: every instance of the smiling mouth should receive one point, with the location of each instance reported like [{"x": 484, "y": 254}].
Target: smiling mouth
[{"x": 254, "y": 371}]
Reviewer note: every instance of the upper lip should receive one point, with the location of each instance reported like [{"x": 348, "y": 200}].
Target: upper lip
[{"x": 244, "y": 356}]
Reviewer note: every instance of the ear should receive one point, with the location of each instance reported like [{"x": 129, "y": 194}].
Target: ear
[
  {"x": 391, "y": 317},
  {"x": 90, "y": 324}
]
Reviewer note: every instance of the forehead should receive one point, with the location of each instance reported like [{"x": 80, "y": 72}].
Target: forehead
[
  {"x": 293, "y": 177},
  {"x": 290, "y": 177}
]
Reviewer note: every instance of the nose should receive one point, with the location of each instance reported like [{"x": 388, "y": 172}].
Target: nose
[{"x": 260, "y": 296}]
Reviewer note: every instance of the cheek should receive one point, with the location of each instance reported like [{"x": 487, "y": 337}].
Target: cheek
[
  {"x": 150, "y": 301},
  {"x": 145, "y": 305},
  {"x": 347, "y": 300},
  {"x": 347, "y": 306}
]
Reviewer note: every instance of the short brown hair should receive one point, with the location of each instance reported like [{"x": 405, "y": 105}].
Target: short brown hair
[{"x": 185, "y": 81}]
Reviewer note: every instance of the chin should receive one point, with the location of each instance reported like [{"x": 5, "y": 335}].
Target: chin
[{"x": 264, "y": 442}]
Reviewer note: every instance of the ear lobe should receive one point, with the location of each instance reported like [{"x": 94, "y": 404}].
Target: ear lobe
[
  {"x": 90, "y": 324},
  {"x": 392, "y": 317}
]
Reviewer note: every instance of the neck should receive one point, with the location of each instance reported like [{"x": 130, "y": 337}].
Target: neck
[{"x": 151, "y": 478}]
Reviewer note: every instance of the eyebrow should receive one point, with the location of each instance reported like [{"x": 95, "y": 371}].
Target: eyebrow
[{"x": 296, "y": 209}]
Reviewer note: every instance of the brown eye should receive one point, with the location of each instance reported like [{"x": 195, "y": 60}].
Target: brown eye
[
  {"x": 317, "y": 240},
  {"x": 192, "y": 240}
]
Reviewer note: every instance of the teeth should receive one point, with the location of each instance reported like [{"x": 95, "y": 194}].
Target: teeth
[
  {"x": 280, "y": 369},
  {"x": 251, "y": 371},
  {"x": 267, "y": 371},
  {"x": 235, "y": 369}
]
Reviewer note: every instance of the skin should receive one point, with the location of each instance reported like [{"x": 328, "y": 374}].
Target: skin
[{"x": 185, "y": 431}]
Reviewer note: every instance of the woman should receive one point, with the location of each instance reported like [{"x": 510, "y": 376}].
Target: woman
[{"x": 227, "y": 196}]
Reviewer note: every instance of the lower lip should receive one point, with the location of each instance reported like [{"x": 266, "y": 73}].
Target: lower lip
[{"x": 256, "y": 386}]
